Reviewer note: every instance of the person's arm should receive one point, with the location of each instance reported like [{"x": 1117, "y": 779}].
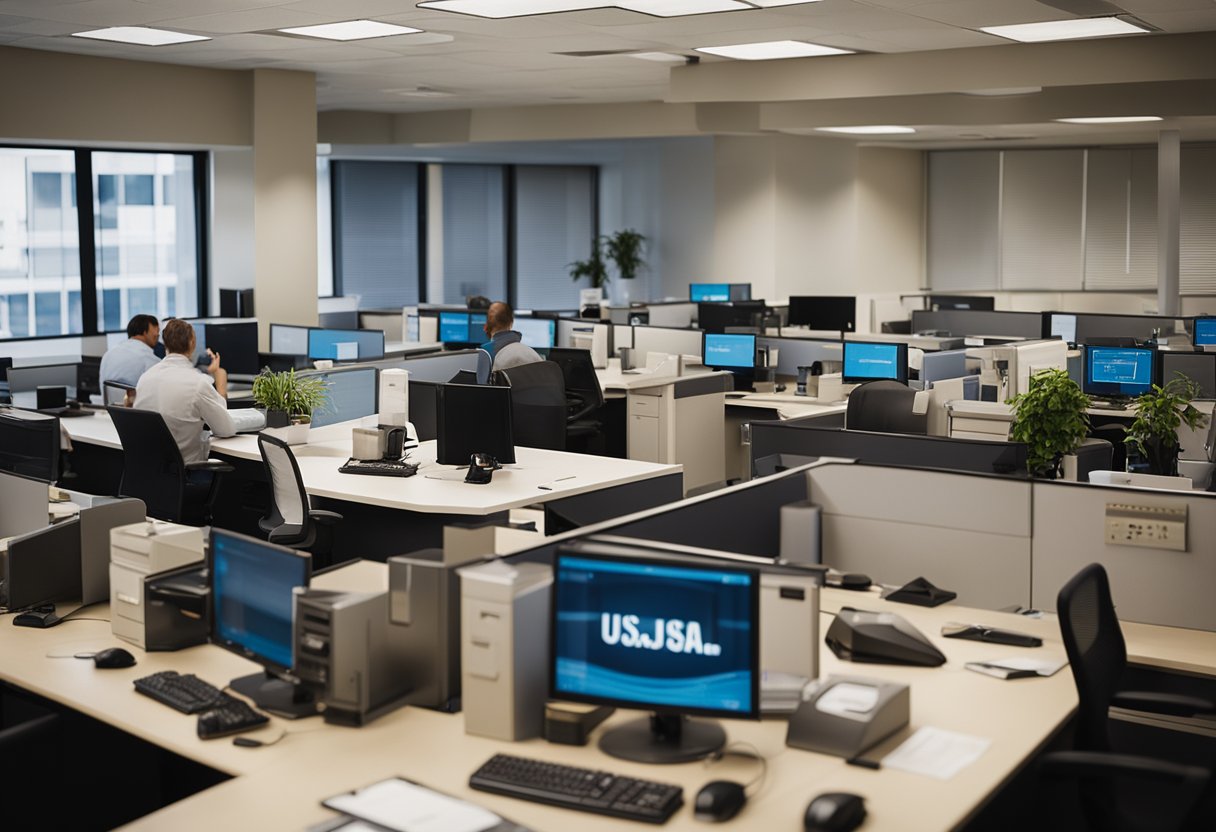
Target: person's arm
[
  {"x": 219, "y": 374},
  {"x": 213, "y": 405}
]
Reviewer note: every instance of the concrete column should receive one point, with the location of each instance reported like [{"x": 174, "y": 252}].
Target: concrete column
[
  {"x": 1169, "y": 152},
  {"x": 284, "y": 199}
]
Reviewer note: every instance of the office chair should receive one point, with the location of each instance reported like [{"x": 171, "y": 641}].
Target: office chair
[
  {"x": 538, "y": 404},
  {"x": 116, "y": 393},
  {"x": 292, "y": 521},
  {"x": 153, "y": 470},
  {"x": 1097, "y": 655},
  {"x": 884, "y": 406},
  {"x": 584, "y": 396}
]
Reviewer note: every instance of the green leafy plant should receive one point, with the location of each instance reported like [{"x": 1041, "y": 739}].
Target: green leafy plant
[
  {"x": 624, "y": 249},
  {"x": 1159, "y": 414},
  {"x": 593, "y": 268},
  {"x": 1050, "y": 418},
  {"x": 297, "y": 396}
]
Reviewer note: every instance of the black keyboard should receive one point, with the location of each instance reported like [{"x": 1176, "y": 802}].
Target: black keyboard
[
  {"x": 231, "y": 717},
  {"x": 582, "y": 789},
  {"x": 186, "y": 693},
  {"x": 380, "y": 467}
]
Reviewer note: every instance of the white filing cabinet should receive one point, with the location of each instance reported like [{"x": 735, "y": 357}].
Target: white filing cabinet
[{"x": 681, "y": 421}]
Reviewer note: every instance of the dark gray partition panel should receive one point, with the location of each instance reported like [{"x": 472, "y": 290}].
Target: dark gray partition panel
[
  {"x": 977, "y": 322},
  {"x": 771, "y": 441},
  {"x": 1139, "y": 327},
  {"x": 1199, "y": 367}
]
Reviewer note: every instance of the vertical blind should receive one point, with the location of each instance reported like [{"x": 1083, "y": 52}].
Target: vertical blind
[
  {"x": 1197, "y": 267},
  {"x": 964, "y": 205},
  {"x": 554, "y": 226},
  {"x": 474, "y": 232},
  {"x": 376, "y": 232},
  {"x": 1041, "y": 220},
  {"x": 1121, "y": 219}
]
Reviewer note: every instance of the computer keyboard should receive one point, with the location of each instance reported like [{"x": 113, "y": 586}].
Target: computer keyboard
[
  {"x": 186, "y": 693},
  {"x": 380, "y": 467},
  {"x": 231, "y": 717},
  {"x": 582, "y": 789}
]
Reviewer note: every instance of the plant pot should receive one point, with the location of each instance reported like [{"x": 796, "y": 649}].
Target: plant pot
[
  {"x": 277, "y": 419},
  {"x": 1162, "y": 458},
  {"x": 295, "y": 433}
]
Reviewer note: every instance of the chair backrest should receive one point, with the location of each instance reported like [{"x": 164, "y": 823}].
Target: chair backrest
[
  {"x": 885, "y": 406},
  {"x": 538, "y": 404},
  {"x": 152, "y": 467},
  {"x": 115, "y": 393},
  {"x": 289, "y": 504},
  {"x": 1096, "y": 652},
  {"x": 582, "y": 384}
]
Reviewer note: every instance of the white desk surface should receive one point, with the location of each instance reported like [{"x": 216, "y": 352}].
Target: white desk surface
[
  {"x": 514, "y": 486},
  {"x": 787, "y": 405},
  {"x": 613, "y": 380}
]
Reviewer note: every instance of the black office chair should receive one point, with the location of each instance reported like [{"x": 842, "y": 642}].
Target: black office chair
[
  {"x": 884, "y": 406},
  {"x": 1107, "y": 780},
  {"x": 116, "y": 393},
  {"x": 292, "y": 520},
  {"x": 153, "y": 470},
  {"x": 584, "y": 396},
  {"x": 538, "y": 404}
]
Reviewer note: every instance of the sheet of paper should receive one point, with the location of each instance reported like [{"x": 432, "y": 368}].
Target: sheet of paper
[
  {"x": 845, "y": 698},
  {"x": 407, "y": 807},
  {"x": 1043, "y": 667},
  {"x": 936, "y": 753}
]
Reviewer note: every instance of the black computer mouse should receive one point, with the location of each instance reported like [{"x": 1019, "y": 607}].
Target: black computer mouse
[
  {"x": 113, "y": 657},
  {"x": 835, "y": 812},
  {"x": 719, "y": 800}
]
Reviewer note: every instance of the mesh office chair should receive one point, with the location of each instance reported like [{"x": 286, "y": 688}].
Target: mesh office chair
[
  {"x": 292, "y": 521},
  {"x": 584, "y": 396},
  {"x": 884, "y": 406},
  {"x": 153, "y": 470},
  {"x": 1097, "y": 655},
  {"x": 538, "y": 404}
]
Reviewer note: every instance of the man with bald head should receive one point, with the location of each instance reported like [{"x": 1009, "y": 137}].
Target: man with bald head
[{"x": 505, "y": 348}]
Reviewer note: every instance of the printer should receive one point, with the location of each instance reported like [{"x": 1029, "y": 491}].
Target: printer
[{"x": 138, "y": 551}]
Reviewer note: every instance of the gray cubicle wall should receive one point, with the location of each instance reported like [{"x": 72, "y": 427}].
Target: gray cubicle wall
[
  {"x": 667, "y": 340},
  {"x": 969, "y": 533},
  {"x": 678, "y": 315},
  {"x": 793, "y": 353},
  {"x": 439, "y": 367},
  {"x": 1140, "y": 327},
  {"x": 1149, "y": 585},
  {"x": 1027, "y": 325},
  {"x": 1199, "y": 367}
]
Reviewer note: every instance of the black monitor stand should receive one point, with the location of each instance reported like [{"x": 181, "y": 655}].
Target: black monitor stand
[
  {"x": 663, "y": 738},
  {"x": 276, "y": 695}
]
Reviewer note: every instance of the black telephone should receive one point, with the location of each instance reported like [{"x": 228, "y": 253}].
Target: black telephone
[{"x": 481, "y": 469}]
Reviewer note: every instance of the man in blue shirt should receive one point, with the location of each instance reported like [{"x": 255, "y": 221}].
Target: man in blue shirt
[
  {"x": 505, "y": 349},
  {"x": 126, "y": 362}
]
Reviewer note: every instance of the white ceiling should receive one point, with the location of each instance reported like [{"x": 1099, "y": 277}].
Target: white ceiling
[{"x": 495, "y": 63}]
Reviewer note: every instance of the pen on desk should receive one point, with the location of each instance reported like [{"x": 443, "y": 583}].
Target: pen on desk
[
  {"x": 549, "y": 487},
  {"x": 861, "y": 762}
]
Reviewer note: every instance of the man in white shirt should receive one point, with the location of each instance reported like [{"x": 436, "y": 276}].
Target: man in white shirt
[
  {"x": 184, "y": 396},
  {"x": 126, "y": 362}
]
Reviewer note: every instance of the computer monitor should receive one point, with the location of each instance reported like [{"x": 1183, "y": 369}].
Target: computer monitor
[
  {"x": 29, "y": 379},
  {"x": 1205, "y": 332},
  {"x": 411, "y": 329},
  {"x": 477, "y": 328},
  {"x": 718, "y": 317},
  {"x": 473, "y": 419},
  {"x": 831, "y": 313},
  {"x": 538, "y": 333},
  {"x": 454, "y": 327},
  {"x": 708, "y": 292},
  {"x": 1061, "y": 325},
  {"x": 723, "y": 351},
  {"x": 985, "y": 303},
  {"x": 1118, "y": 371},
  {"x": 237, "y": 345},
  {"x": 350, "y": 394},
  {"x": 669, "y": 636},
  {"x": 236, "y": 303},
  {"x": 286, "y": 339},
  {"x": 422, "y": 405},
  {"x": 866, "y": 361},
  {"x": 345, "y": 344},
  {"x": 252, "y": 609},
  {"x": 29, "y": 444}
]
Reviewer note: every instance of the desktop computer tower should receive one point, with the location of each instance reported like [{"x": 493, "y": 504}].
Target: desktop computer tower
[{"x": 424, "y": 605}]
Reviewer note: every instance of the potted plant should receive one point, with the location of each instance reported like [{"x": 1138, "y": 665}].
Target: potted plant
[
  {"x": 1050, "y": 418},
  {"x": 593, "y": 268},
  {"x": 624, "y": 249},
  {"x": 289, "y": 401},
  {"x": 1159, "y": 414}
]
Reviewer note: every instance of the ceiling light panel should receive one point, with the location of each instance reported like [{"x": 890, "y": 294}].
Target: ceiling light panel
[
  {"x": 351, "y": 30},
  {"x": 140, "y": 35},
  {"x": 1109, "y": 119},
  {"x": 869, "y": 130},
  {"x": 680, "y": 8},
  {"x": 772, "y": 50},
  {"x": 511, "y": 8},
  {"x": 1074, "y": 29}
]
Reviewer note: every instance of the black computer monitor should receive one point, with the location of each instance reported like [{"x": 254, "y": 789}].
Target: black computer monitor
[
  {"x": 718, "y": 317},
  {"x": 832, "y": 313},
  {"x": 1119, "y": 372},
  {"x": 288, "y": 339},
  {"x": 345, "y": 344},
  {"x": 349, "y": 394},
  {"x": 538, "y": 333},
  {"x": 867, "y": 361},
  {"x": 984, "y": 303},
  {"x": 473, "y": 419},
  {"x": 669, "y": 636},
  {"x": 252, "y": 614},
  {"x": 29, "y": 444},
  {"x": 1205, "y": 332},
  {"x": 236, "y": 344},
  {"x": 236, "y": 303},
  {"x": 423, "y": 408}
]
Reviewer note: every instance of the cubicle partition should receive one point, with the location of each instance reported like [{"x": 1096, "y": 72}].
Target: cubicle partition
[
  {"x": 978, "y": 323},
  {"x": 389, "y": 321},
  {"x": 1199, "y": 367},
  {"x": 1084, "y": 327},
  {"x": 678, "y": 315},
  {"x": 659, "y": 339},
  {"x": 793, "y": 353}
]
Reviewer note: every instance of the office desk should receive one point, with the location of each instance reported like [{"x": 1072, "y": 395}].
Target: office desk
[{"x": 744, "y": 408}]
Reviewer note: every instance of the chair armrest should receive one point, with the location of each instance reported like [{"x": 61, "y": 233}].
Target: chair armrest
[
  {"x": 1102, "y": 764},
  {"x": 214, "y": 465},
  {"x": 1173, "y": 704},
  {"x": 287, "y": 533},
  {"x": 325, "y": 518}
]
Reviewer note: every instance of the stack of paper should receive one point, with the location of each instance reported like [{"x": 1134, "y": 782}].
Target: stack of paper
[{"x": 780, "y": 692}]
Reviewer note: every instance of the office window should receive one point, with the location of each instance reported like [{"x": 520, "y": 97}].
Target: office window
[
  {"x": 111, "y": 309},
  {"x": 39, "y": 241},
  {"x": 376, "y": 232},
  {"x": 474, "y": 232},
  {"x": 554, "y": 226},
  {"x": 145, "y": 244}
]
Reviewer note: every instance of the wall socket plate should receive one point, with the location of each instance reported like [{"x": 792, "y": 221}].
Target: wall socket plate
[{"x": 1157, "y": 527}]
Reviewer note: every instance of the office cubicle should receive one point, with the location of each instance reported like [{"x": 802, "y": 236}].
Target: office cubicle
[
  {"x": 1199, "y": 367},
  {"x": 389, "y": 321},
  {"x": 1086, "y": 327},
  {"x": 964, "y": 322},
  {"x": 647, "y": 339}
]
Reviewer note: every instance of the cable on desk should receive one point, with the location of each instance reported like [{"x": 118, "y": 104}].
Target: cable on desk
[
  {"x": 250, "y": 742},
  {"x": 748, "y": 752}
]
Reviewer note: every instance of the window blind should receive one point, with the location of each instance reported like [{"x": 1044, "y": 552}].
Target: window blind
[
  {"x": 474, "y": 232},
  {"x": 964, "y": 189},
  {"x": 376, "y": 232},
  {"x": 554, "y": 226}
]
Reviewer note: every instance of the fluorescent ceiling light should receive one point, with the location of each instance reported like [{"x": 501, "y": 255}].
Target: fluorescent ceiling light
[
  {"x": 765, "y": 4},
  {"x": 680, "y": 8},
  {"x": 772, "y": 50},
  {"x": 658, "y": 57},
  {"x": 1082, "y": 27},
  {"x": 657, "y": 8},
  {"x": 1109, "y": 119},
  {"x": 351, "y": 30},
  {"x": 868, "y": 130},
  {"x": 140, "y": 35}
]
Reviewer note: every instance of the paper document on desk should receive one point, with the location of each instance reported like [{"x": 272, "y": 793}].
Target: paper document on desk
[
  {"x": 1021, "y": 665},
  {"x": 936, "y": 753},
  {"x": 407, "y": 807}
]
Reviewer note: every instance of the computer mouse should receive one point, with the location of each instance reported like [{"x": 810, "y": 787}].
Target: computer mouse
[
  {"x": 719, "y": 800},
  {"x": 855, "y": 581},
  {"x": 835, "y": 812},
  {"x": 113, "y": 657}
]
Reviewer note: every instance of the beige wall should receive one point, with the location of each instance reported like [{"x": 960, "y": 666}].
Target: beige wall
[{"x": 232, "y": 240}]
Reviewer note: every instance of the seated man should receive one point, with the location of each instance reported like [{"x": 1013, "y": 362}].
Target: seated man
[
  {"x": 185, "y": 397},
  {"x": 505, "y": 348},
  {"x": 126, "y": 362}
]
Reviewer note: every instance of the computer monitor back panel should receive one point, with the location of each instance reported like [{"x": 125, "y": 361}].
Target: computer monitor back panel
[
  {"x": 23, "y": 504},
  {"x": 29, "y": 444},
  {"x": 473, "y": 419},
  {"x": 43, "y": 566},
  {"x": 286, "y": 339},
  {"x": 830, "y": 313},
  {"x": 236, "y": 344}
]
